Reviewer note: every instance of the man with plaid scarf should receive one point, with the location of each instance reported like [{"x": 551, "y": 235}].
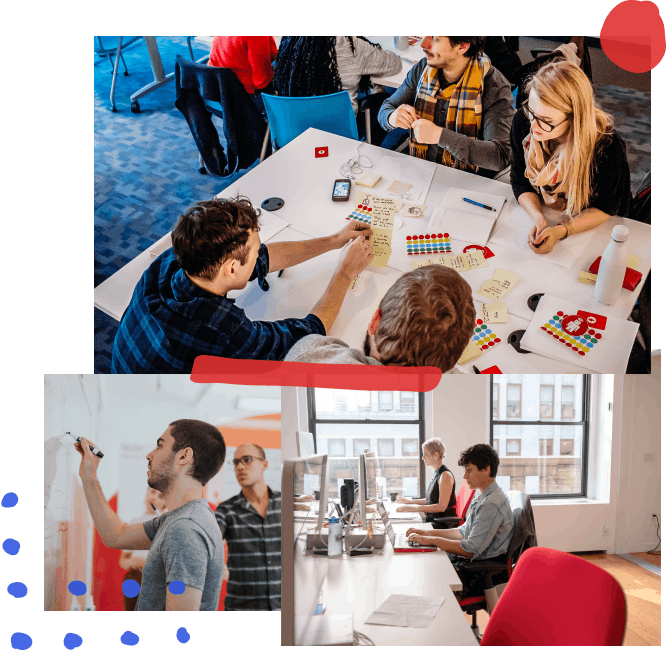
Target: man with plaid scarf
[{"x": 457, "y": 107}]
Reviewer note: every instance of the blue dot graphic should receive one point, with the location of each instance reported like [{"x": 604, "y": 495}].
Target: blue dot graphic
[
  {"x": 131, "y": 588},
  {"x": 77, "y": 588},
  {"x": 17, "y": 589},
  {"x": 11, "y": 546},
  {"x": 9, "y": 500},
  {"x": 21, "y": 641},
  {"x": 182, "y": 635},
  {"x": 72, "y": 641},
  {"x": 177, "y": 587},
  {"x": 129, "y": 638}
]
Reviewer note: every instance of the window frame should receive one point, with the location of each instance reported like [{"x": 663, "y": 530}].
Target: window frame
[
  {"x": 494, "y": 402},
  {"x": 585, "y": 443},
  {"x": 552, "y": 401},
  {"x": 368, "y": 446},
  {"x": 330, "y": 455},
  {"x": 520, "y": 401},
  {"x": 520, "y": 447},
  {"x": 381, "y": 440},
  {"x": 420, "y": 421},
  {"x": 572, "y": 441},
  {"x": 562, "y": 403},
  {"x": 546, "y": 440}
]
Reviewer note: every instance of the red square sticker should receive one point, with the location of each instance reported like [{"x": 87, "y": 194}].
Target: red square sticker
[
  {"x": 596, "y": 321},
  {"x": 321, "y": 152}
]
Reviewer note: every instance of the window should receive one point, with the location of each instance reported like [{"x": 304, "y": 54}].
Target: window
[
  {"x": 545, "y": 447},
  {"x": 336, "y": 447},
  {"x": 410, "y": 447},
  {"x": 513, "y": 400},
  {"x": 568, "y": 400},
  {"x": 513, "y": 447},
  {"x": 546, "y": 401},
  {"x": 385, "y": 447},
  {"x": 364, "y": 401},
  {"x": 385, "y": 400},
  {"x": 361, "y": 445},
  {"x": 341, "y": 403},
  {"x": 543, "y": 434},
  {"x": 406, "y": 401}
]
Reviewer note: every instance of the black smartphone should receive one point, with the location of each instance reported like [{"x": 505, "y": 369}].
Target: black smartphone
[{"x": 341, "y": 189}]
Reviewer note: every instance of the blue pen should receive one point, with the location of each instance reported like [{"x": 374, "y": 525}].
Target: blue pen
[{"x": 487, "y": 207}]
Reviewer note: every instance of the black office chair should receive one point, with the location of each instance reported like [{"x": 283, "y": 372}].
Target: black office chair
[{"x": 498, "y": 570}]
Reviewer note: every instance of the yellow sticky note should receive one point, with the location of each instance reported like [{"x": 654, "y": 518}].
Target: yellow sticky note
[
  {"x": 399, "y": 187},
  {"x": 495, "y": 313},
  {"x": 381, "y": 247},
  {"x": 633, "y": 261},
  {"x": 474, "y": 260},
  {"x": 500, "y": 284},
  {"x": 417, "y": 264},
  {"x": 587, "y": 278},
  {"x": 412, "y": 210},
  {"x": 471, "y": 352},
  {"x": 368, "y": 179}
]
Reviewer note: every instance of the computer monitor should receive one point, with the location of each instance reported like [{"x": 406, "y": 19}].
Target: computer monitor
[
  {"x": 304, "y": 444},
  {"x": 371, "y": 475},
  {"x": 362, "y": 489}
]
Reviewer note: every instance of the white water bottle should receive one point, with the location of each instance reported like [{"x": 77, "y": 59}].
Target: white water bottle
[
  {"x": 334, "y": 531},
  {"x": 612, "y": 267}
]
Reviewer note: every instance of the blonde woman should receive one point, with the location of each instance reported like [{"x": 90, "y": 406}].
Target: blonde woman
[
  {"x": 568, "y": 163},
  {"x": 441, "y": 493}
]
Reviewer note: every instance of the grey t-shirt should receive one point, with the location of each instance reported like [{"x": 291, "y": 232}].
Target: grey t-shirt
[{"x": 186, "y": 546}]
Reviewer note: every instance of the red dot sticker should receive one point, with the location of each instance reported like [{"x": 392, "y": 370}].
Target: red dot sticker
[
  {"x": 560, "y": 313},
  {"x": 446, "y": 234},
  {"x": 498, "y": 340},
  {"x": 598, "y": 336},
  {"x": 479, "y": 321},
  {"x": 420, "y": 236},
  {"x": 409, "y": 237},
  {"x": 427, "y": 236},
  {"x": 485, "y": 347},
  {"x": 440, "y": 236}
]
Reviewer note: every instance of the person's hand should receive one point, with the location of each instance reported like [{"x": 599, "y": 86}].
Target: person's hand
[
  {"x": 417, "y": 531},
  {"x": 301, "y": 506},
  {"x": 350, "y": 231},
  {"x": 549, "y": 237},
  {"x": 137, "y": 562},
  {"x": 402, "y": 499},
  {"x": 89, "y": 461},
  {"x": 305, "y": 497},
  {"x": 403, "y": 116},
  {"x": 356, "y": 255},
  {"x": 424, "y": 540},
  {"x": 370, "y": 502},
  {"x": 426, "y": 132},
  {"x": 405, "y": 509}
]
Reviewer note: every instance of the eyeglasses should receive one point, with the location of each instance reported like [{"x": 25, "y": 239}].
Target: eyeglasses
[
  {"x": 546, "y": 126},
  {"x": 244, "y": 460}
]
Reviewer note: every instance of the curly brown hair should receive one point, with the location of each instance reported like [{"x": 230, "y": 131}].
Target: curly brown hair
[
  {"x": 211, "y": 232},
  {"x": 427, "y": 319}
]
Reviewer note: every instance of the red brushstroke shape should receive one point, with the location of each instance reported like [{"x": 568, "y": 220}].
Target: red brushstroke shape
[
  {"x": 633, "y": 36},
  {"x": 250, "y": 372}
]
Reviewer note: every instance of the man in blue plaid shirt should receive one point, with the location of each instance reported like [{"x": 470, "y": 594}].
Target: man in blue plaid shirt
[{"x": 180, "y": 310}]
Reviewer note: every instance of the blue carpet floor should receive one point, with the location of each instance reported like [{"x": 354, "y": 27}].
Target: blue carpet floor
[{"x": 146, "y": 164}]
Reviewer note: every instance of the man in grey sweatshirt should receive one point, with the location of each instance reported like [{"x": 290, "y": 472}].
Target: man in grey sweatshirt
[{"x": 425, "y": 319}]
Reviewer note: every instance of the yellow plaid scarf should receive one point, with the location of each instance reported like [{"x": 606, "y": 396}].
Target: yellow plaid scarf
[{"x": 464, "y": 112}]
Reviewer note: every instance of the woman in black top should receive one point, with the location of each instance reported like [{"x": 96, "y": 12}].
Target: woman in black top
[
  {"x": 441, "y": 493},
  {"x": 567, "y": 161}
]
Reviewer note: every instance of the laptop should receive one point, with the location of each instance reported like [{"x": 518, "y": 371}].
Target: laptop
[{"x": 399, "y": 542}]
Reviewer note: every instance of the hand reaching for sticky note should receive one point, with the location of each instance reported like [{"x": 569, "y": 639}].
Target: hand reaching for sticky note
[
  {"x": 354, "y": 257},
  {"x": 351, "y": 230}
]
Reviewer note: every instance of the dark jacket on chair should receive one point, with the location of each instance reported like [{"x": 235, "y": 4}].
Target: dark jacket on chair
[
  {"x": 243, "y": 125},
  {"x": 524, "y": 529}
]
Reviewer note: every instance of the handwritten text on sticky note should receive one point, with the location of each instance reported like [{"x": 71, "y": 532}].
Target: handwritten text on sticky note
[
  {"x": 499, "y": 285},
  {"x": 495, "y": 313}
]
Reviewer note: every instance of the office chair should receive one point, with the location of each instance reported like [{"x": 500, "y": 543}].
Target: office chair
[
  {"x": 558, "y": 599},
  {"x": 288, "y": 117},
  {"x": 521, "y": 539},
  {"x": 101, "y": 50},
  {"x": 463, "y": 499}
]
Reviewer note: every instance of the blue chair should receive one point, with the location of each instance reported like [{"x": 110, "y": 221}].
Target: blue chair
[
  {"x": 288, "y": 117},
  {"x": 108, "y": 50}
]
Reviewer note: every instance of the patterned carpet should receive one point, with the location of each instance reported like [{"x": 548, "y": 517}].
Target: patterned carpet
[{"x": 146, "y": 164}]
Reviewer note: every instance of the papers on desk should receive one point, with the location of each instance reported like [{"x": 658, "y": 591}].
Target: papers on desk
[
  {"x": 406, "y": 611},
  {"x": 270, "y": 225},
  {"x": 466, "y": 221},
  {"x": 411, "y": 173}
]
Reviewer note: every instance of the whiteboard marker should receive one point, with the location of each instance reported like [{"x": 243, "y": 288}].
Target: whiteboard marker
[{"x": 94, "y": 450}]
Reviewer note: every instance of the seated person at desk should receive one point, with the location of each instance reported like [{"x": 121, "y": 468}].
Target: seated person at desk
[
  {"x": 250, "y": 58},
  {"x": 459, "y": 107},
  {"x": 321, "y": 65},
  {"x": 566, "y": 157},
  {"x": 441, "y": 494},
  {"x": 180, "y": 310},
  {"x": 487, "y": 532},
  {"x": 425, "y": 319}
]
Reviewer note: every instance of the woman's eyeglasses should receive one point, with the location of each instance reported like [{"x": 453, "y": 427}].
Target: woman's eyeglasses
[{"x": 547, "y": 127}]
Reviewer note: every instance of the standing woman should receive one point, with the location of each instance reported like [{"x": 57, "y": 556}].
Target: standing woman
[
  {"x": 441, "y": 494},
  {"x": 568, "y": 162}
]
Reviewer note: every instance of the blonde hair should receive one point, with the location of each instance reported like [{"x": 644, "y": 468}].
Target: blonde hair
[
  {"x": 565, "y": 87},
  {"x": 435, "y": 446}
]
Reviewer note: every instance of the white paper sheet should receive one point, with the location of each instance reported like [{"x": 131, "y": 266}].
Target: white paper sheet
[
  {"x": 406, "y": 611},
  {"x": 270, "y": 225},
  {"x": 415, "y": 172},
  {"x": 513, "y": 231}
]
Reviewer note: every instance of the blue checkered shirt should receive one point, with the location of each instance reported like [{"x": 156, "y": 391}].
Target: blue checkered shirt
[{"x": 170, "y": 321}]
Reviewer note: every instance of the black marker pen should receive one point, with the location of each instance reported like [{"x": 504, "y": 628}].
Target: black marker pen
[{"x": 94, "y": 450}]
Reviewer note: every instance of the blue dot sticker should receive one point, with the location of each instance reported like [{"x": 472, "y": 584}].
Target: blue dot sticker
[
  {"x": 72, "y": 641},
  {"x": 11, "y": 546},
  {"x": 77, "y": 588},
  {"x": 131, "y": 588},
  {"x": 177, "y": 587},
  {"x": 21, "y": 641},
  {"x": 9, "y": 500},
  {"x": 17, "y": 589},
  {"x": 129, "y": 638},
  {"x": 182, "y": 635}
]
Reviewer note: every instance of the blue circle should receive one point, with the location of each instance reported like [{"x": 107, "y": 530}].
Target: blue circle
[
  {"x": 129, "y": 638},
  {"x": 552, "y": 322},
  {"x": 11, "y": 546},
  {"x": 182, "y": 635},
  {"x": 77, "y": 588},
  {"x": 72, "y": 641},
  {"x": 177, "y": 587},
  {"x": 131, "y": 588},
  {"x": 21, "y": 641},
  {"x": 17, "y": 589},
  {"x": 9, "y": 500}
]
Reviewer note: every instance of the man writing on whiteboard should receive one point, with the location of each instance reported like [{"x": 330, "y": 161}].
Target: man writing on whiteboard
[
  {"x": 250, "y": 524},
  {"x": 183, "y": 570}
]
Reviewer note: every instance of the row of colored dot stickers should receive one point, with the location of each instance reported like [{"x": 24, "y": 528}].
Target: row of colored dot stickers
[
  {"x": 428, "y": 244},
  {"x": 580, "y": 343},
  {"x": 483, "y": 336},
  {"x": 362, "y": 213}
]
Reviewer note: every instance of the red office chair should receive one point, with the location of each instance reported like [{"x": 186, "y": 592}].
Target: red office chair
[
  {"x": 464, "y": 498},
  {"x": 556, "y": 599}
]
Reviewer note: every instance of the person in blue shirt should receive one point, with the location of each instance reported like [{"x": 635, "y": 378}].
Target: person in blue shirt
[{"x": 180, "y": 310}]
